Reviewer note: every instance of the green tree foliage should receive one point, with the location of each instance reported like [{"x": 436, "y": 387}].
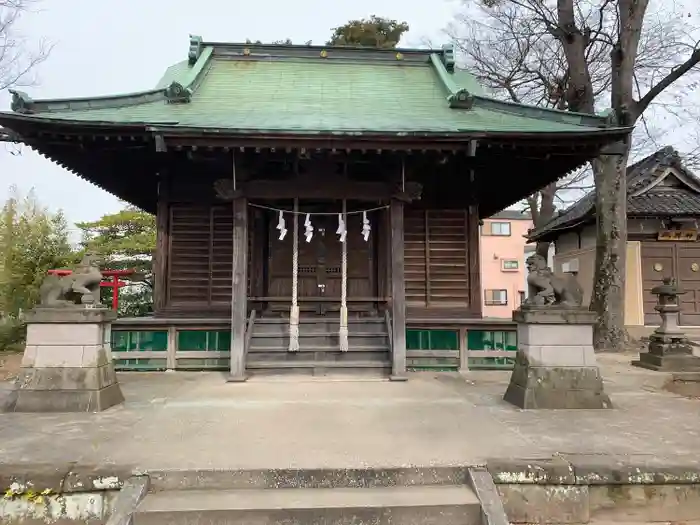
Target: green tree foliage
[
  {"x": 32, "y": 241},
  {"x": 125, "y": 240},
  {"x": 284, "y": 42},
  {"x": 374, "y": 31}
]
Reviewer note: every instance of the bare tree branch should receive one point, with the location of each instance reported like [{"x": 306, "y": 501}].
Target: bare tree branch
[
  {"x": 666, "y": 82},
  {"x": 18, "y": 59},
  {"x": 585, "y": 55}
]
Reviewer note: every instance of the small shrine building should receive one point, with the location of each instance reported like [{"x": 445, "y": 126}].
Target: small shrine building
[{"x": 313, "y": 203}]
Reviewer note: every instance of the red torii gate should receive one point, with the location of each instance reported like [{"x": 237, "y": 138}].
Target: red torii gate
[{"x": 114, "y": 284}]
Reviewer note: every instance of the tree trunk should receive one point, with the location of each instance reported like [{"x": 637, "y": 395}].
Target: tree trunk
[
  {"x": 543, "y": 249},
  {"x": 542, "y": 210},
  {"x": 608, "y": 297}
]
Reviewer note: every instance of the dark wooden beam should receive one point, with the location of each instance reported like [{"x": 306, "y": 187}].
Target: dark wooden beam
[
  {"x": 239, "y": 289},
  {"x": 318, "y": 188},
  {"x": 398, "y": 292},
  {"x": 338, "y": 142}
]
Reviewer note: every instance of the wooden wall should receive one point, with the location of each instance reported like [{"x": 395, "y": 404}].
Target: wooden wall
[
  {"x": 200, "y": 255},
  {"x": 441, "y": 260}
]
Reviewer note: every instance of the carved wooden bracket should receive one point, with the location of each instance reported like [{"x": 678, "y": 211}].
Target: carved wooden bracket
[
  {"x": 224, "y": 190},
  {"x": 413, "y": 191}
]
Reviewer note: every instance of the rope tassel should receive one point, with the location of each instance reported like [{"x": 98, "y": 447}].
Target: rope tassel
[
  {"x": 343, "y": 335},
  {"x": 294, "y": 312},
  {"x": 308, "y": 228},
  {"x": 366, "y": 228},
  {"x": 281, "y": 226},
  {"x": 342, "y": 230}
]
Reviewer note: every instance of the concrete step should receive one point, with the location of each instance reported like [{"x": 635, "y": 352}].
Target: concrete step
[
  {"x": 324, "y": 327},
  {"x": 324, "y": 356},
  {"x": 325, "y": 341},
  {"x": 307, "y": 478},
  {"x": 315, "y": 369},
  {"x": 327, "y": 319},
  {"x": 319, "y": 331},
  {"x": 282, "y": 346},
  {"x": 316, "y": 364},
  {"x": 425, "y": 505}
]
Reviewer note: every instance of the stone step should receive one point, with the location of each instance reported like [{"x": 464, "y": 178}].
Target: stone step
[
  {"x": 319, "y": 341},
  {"x": 326, "y": 319},
  {"x": 320, "y": 329},
  {"x": 282, "y": 346},
  {"x": 434, "y": 505},
  {"x": 311, "y": 478},
  {"x": 324, "y": 356},
  {"x": 317, "y": 364}
]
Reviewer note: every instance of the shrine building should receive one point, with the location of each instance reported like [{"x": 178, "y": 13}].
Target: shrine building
[{"x": 317, "y": 207}]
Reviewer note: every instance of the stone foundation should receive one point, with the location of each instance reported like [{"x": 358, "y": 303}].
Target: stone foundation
[
  {"x": 555, "y": 366},
  {"x": 67, "y": 364},
  {"x": 669, "y": 353}
]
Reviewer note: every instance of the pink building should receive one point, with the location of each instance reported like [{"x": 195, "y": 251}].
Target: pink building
[{"x": 503, "y": 253}]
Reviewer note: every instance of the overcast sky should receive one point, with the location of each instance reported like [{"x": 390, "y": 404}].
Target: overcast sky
[
  {"x": 114, "y": 47},
  {"x": 105, "y": 47}
]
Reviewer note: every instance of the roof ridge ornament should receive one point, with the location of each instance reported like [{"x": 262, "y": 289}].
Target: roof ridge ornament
[
  {"x": 448, "y": 57},
  {"x": 176, "y": 93},
  {"x": 195, "y": 49},
  {"x": 462, "y": 99},
  {"x": 610, "y": 116},
  {"x": 21, "y": 102}
]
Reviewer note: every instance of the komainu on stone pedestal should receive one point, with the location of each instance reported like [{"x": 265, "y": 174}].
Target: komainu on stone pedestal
[
  {"x": 82, "y": 286},
  {"x": 555, "y": 366},
  {"x": 545, "y": 288},
  {"x": 67, "y": 363}
]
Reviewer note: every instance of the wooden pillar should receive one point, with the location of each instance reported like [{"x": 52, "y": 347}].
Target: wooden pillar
[
  {"x": 398, "y": 292},
  {"x": 239, "y": 289},
  {"x": 474, "y": 255},
  {"x": 473, "y": 244},
  {"x": 162, "y": 253}
]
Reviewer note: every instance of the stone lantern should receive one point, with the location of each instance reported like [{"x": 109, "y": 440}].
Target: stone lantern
[
  {"x": 668, "y": 306},
  {"x": 669, "y": 349}
]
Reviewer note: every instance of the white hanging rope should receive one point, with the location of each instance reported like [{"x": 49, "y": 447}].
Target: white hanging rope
[
  {"x": 297, "y": 212},
  {"x": 343, "y": 335},
  {"x": 294, "y": 312}
]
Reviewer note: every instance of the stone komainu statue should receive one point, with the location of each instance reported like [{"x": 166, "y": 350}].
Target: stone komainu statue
[
  {"x": 547, "y": 289},
  {"x": 80, "y": 287}
]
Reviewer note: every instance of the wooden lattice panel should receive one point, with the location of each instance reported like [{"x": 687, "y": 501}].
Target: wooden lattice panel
[
  {"x": 201, "y": 254},
  {"x": 436, "y": 257}
]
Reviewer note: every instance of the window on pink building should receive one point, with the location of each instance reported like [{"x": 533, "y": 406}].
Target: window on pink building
[
  {"x": 498, "y": 228},
  {"x": 496, "y": 297}
]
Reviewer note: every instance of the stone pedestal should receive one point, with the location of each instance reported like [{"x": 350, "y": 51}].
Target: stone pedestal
[
  {"x": 555, "y": 367},
  {"x": 67, "y": 364},
  {"x": 669, "y": 353}
]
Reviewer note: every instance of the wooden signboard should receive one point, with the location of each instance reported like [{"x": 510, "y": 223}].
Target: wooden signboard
[{"x": 678, "y": 235}]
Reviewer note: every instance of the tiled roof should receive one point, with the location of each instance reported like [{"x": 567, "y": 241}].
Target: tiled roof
[
  {"x": 665, "y": 202},
  {"x": 304, "y": 89},
  {"x": 514, "y": 215},
  {"x": 656, "y": 201}
]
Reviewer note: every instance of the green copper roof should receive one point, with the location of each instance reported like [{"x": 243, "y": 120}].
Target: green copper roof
[{"x": 306, "y": 89}]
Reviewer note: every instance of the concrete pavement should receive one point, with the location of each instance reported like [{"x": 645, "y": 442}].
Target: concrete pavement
[{"x": 198, "y": 421}]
